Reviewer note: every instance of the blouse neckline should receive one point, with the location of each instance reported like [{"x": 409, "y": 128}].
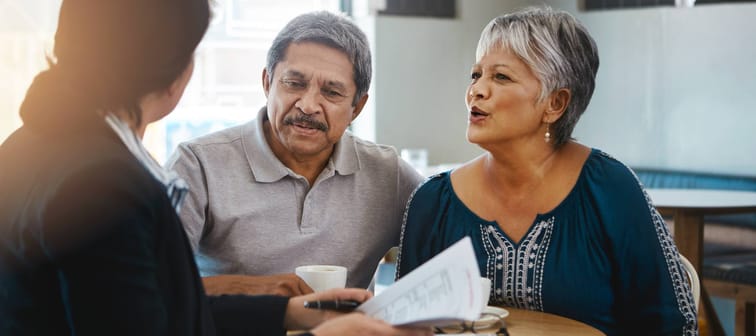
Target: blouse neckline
[{"x": 539, "y": 216}]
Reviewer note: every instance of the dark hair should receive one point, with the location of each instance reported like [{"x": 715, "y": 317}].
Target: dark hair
[
  {"x": 109, "y": 54},
  {"x": 559, "y": 50},
  {"x": 332, "y": 30}
]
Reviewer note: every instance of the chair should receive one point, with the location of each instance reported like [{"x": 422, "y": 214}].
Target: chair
[
  {"x": 733, "y": 276},
  {"x": 695, "y": 287},
  {"x": 695, "y": 283}
]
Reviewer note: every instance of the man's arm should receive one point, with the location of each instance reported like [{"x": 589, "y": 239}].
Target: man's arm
[{"x": 280, "y": 284}]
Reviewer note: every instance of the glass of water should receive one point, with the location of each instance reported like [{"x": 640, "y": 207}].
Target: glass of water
[{"x": 416, "y": 157}]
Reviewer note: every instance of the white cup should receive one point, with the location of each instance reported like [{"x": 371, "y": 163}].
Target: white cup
[
  {"x": 322, "y": 277},
  {"x": 485, "y": 291}
]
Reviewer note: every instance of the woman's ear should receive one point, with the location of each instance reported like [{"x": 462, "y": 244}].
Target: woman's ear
[{"x": 558, "y": 102}]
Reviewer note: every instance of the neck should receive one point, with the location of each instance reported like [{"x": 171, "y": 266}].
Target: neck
[
  {"x": 518, "y": 168},
  {"x": 308, "y": 167},
  {"x": 139, "y": 131},
  {"x": 126, "y": 117}
]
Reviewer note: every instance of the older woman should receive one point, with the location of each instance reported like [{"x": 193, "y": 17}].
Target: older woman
[{"x": 557, "y": 226}]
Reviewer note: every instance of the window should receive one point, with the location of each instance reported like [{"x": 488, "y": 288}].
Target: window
[
  {"x": 26, "y": 35},
  {"x": 225, "y": 89}
]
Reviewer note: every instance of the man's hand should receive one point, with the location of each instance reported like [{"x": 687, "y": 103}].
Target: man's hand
[{"x": 280, "y": 284}]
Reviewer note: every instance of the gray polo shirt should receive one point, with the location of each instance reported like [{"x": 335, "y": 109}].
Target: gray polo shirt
[{"x": 247, "y": 213}]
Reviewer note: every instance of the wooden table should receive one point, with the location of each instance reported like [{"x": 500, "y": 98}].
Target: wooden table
[
  {"x": 688, "y": 208},
  {"x": 522, "y": 322},
  {"x": 532, "y": 323}
]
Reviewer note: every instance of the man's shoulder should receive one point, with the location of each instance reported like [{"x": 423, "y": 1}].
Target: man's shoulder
[
  {"x": 225, "y": 136},
  {"x": 372, "y": 150},
  {"x": 384, "y": 159},
  {"x": 211, "y": 147}
]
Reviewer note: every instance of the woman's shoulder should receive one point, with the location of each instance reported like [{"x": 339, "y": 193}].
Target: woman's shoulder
[
  {"x": 604, "y": 169},
  {"x": 433, "y": 187},
  {"x": 100, "y": 166},
  {"x": 612, "y": 183},
  {"x": 442, "y": 190}
]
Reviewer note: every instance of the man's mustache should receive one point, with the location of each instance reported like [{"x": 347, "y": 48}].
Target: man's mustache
[{"x": 305, "y": 120}]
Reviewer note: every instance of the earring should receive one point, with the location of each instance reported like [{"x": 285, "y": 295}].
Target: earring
[{"x": 547, "y": 136}]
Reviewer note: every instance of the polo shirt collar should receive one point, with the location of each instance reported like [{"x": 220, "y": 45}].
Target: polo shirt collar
[
  {"x": 344, "y": 157},
  {"x": 266, "y": 167}
]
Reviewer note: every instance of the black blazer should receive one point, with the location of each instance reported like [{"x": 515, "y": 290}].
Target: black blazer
[{"x": 90, "y": 245}]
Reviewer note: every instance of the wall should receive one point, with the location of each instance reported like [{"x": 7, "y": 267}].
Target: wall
[{"x": 674, "y": 87}]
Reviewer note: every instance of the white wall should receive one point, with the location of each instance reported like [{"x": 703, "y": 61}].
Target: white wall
[{"x": 675, "y": 87}]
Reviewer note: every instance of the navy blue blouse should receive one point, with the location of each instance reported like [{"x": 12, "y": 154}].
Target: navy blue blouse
[{"x": 603, "y": 256}]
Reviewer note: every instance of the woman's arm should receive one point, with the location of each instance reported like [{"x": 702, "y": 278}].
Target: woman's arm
[{"x": 653, "y": 295}]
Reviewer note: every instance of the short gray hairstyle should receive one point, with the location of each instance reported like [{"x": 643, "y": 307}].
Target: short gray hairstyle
[
  {"x": 332, "y": 30},
  {"x": 559, "y": 50}
]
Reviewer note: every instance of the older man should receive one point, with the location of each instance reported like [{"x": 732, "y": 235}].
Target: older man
[{"x": 292, "y": 187}]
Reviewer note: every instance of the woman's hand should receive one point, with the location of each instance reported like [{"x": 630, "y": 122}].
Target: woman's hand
[
  {"x": 359, "y": 324},
  {"x": 299, "y": 318}
]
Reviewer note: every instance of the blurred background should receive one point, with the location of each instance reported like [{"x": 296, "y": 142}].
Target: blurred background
[{"x": 674, "y": 88}]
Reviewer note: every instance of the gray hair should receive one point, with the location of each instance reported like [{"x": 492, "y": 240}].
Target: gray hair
[
  {"x": 332, "y": 30},
  {"x": 557, "y": 48}
]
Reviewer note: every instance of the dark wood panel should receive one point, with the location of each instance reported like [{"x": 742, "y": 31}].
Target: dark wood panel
[{"x": 429, "y": 8}]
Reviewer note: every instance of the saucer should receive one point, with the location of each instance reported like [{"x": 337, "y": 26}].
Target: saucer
[
  {"x": 489, "y": 316},
  {"x": 488, "y": 319}
]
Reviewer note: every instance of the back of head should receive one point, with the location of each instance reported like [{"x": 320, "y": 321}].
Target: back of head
[
  {"x": 332, "y": 30},
  {"x": 109, "y": 54},
  {"x": 558, "y": 49}
]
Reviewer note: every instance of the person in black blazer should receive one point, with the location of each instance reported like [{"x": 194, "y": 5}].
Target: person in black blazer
[{"x": 90, "y": 242}]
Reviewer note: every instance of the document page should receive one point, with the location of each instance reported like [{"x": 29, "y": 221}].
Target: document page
[{"x": 443, "y": 290}]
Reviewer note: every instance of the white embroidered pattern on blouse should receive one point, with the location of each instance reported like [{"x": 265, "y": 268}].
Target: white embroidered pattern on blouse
[
  {"x": 680, "y": 284},
  {"x": 517, "y": 272}
]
